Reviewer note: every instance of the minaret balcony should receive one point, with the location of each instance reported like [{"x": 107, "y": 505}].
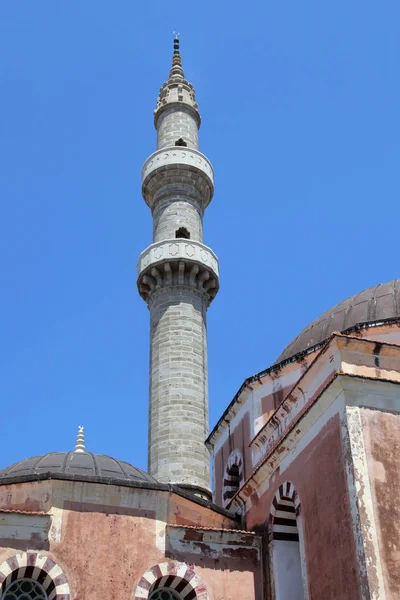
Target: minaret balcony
[
  {"x": 178, "y": 263},
  {"x": 183, "y": 167}
]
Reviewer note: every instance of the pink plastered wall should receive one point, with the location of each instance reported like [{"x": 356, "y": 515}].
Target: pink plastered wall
[
  {"x": 318, "y": 475},
  {"x": 382, "y": 446}
]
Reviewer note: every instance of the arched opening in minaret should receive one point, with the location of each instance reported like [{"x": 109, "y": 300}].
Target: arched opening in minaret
[
  {"x": 180, "y": 142},
  {"x": 182, "y": 232}
]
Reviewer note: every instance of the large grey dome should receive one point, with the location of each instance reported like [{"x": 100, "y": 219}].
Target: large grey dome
[
  {"x": 81, "y": 466},
  {"x": 376, "y": 304}
]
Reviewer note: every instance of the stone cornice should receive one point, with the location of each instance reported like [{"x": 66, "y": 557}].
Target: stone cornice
[{"x": 178, "y": 263}]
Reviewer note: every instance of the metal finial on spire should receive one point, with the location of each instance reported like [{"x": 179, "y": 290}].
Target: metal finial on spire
[
  {"x": 176, "y": 42},
  {"x": 80, "y": 440},
  {"x": 176, "y": 69}
]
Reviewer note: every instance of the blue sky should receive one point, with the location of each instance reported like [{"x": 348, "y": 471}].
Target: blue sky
[{"x": 300, "y": 107}]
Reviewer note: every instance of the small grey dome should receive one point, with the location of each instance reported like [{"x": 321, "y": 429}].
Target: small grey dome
[
  {"x": 80, "y": 466},
  {"x": 376, "y": 304}
]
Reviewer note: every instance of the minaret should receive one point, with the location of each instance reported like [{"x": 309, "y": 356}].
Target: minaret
[{"x": 178, "y": 278}]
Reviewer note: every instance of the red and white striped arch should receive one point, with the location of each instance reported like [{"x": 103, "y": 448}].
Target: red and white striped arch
[
  {"x": 233, "y": 476},
  {"x": 284, "y": 512},
  {"x": 39, "y": 567},
  {"x": 175, "y": 576}
]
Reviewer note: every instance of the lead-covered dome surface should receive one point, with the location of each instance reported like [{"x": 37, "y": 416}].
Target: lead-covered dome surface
[
  {"x": 374, "y": 305},
  {"x": 84, "y": 466}
]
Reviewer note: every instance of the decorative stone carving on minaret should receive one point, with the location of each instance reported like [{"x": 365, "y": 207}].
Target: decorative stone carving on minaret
[{"x": 178, "y": 278}]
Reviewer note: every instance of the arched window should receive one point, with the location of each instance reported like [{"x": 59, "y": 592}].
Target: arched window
[
  {"x": 24, "y": 589},
  {"x": 233, "y": 476},
  {"x": 182, "y": 232},
  {"x": 168, "y": 585},
  {"x": 180, "y": 142},
  {"x": 164, "y": 594},
  {"x": 32, "y": 576},
  {"x": 288, "y": 576}
]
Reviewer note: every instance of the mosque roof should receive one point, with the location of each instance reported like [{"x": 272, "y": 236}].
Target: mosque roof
[
  {"x": 373, "y": 305},
  {"x": 92, "y": 468},
  {"x": 80, "y": 466}
]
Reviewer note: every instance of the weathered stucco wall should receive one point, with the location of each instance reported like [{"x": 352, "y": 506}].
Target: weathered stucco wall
[
  {"x": 236, "y": 554},
  {"x": 105, "y": 537},
  {"x": 104, "y": 554},
  {"x": 182, "y": 511},
  {"x": 30, "y": 496},
  {"x": 318, "y": 475},
  {"x": 382, "y": 447},
  {"x": 20, "y": 530},
  {"x": 254, "y": 407},
  {"x": 237, "y": 439}
]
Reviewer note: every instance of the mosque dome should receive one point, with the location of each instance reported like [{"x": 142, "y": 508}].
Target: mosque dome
[
  {"x": 78, "y": 466},
  {"x": 377, "y": 304}
]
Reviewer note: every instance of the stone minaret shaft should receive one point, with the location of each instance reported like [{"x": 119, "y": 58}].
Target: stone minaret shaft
[{"x": 178, "y": 278}]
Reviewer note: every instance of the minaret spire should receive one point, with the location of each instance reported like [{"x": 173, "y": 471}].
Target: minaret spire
[
  {"x": 176, "y": 69},
  {"x": 176, "y": 89},
  {"x": 178, "y": 278},
  {"x": 80, "y": 440}
]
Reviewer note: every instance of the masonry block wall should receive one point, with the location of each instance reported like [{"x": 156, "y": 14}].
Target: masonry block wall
[
  {"x": 179, "y": 395},
  {"x": 175, "y": 211},
  {"x": 175, "y": 123}
]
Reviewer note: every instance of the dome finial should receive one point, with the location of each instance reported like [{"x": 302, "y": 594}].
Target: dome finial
[{"x": 80, "y": 440}]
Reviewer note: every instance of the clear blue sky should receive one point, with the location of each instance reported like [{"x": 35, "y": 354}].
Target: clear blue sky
[{"x": 300, "y": 106}]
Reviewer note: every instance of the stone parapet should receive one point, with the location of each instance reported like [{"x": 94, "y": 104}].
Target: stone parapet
[
  {"x": 176, "y": 169},
  {"x": 176, "y": 249},
  {"x": 181, "y": 263}
]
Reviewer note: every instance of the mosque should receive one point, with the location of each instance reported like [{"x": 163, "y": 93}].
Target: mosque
[{"x": 304, "y": 502}]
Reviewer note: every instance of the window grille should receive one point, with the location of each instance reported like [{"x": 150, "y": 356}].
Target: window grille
[
  {"x": 164, "y": 594},
  {"x": 24, "y": 589}
]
